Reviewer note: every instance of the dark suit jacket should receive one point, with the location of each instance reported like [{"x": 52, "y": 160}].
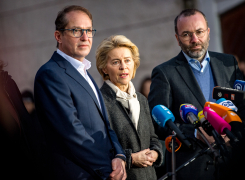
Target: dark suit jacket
[
  {"x": 133, "y": 140},
  {"x": 21, "y": 137},
  {"x": 173, "y": 84},
  {"x": 80, "y": 141}
]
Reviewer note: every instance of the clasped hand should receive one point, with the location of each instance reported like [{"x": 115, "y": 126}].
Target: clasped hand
[{"x": 144, "y": 158}]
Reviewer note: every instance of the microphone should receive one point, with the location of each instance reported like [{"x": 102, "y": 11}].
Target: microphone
[
  {"x": 208, "y": 128},
  {"x": 188, "y": 114},
  {"x": 234, "y": 95},
  {"x": 221, "y": 126},
  {"x": 169, "y": 144},
  {"x": 219, "y": 109},
  {"x": 212, "y": 132},
  {"x": 164, "y": 117},
  {"x": 237, "y": 127},
  {"x": 227, "y": 103},
  {"x": 239, "y": 85}
]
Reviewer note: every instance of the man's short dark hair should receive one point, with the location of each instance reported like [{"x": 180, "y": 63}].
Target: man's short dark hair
[
  {"x": 185, "y": 13},
  {"x": 61, "y": 21}
]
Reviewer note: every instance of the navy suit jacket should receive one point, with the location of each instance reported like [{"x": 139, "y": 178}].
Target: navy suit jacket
[{"x": 79, "y": 138}]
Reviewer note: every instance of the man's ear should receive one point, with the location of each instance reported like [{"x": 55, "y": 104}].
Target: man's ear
[
  {"x": 57, "y": 35},
  {"x": 177, "y": 38}
]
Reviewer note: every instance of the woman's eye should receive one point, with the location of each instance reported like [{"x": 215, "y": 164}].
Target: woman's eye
[{"x": 115, "y": 63}]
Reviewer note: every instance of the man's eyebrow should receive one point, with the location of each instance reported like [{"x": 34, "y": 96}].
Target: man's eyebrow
[
  {"x": 74, "y": 27},
  {"x": 195, "y": 30}
]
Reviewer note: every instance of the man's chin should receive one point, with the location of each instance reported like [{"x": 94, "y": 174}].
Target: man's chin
[{"x": 196, "y": 54}]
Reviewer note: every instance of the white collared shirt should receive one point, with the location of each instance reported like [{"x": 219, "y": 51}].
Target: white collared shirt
[
  {"x": 82, "y": 68},
  {"x": 196, "y": 64}
]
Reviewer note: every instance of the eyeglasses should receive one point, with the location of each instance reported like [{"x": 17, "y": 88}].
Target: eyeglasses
[
  {"x": 186, "y": 36},
  {"x": 77, "y": 32}
]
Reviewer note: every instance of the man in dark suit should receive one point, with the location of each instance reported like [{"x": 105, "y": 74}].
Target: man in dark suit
[
  {"x": 80, "y": 141},
  {"x": 190, "y": 78}
]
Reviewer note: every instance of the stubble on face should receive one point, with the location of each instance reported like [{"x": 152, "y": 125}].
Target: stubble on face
[{"x": 196, "y": 54}]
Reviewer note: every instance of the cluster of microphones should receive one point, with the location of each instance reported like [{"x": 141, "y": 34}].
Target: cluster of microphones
[{"x": 217, "y": 119}]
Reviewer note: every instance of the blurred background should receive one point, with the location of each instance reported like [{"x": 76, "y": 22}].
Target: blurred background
[{"x": 27, "y": 31}]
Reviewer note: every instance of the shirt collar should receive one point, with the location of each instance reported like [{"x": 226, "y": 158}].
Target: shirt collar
[
  {"x": 196, "y": 64},
  {"x": 85, "y": 64}
]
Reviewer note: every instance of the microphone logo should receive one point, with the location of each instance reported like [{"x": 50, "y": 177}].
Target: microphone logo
[
  {"x": 238, "y": 86},
  {"x": 219, "y": 94},
  {"x": 232, "y": 96}
]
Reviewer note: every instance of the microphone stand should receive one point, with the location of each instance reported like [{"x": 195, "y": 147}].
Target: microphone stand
[
  {"x": 216, "y": 154},
  {"x": 168, "y": 174},
  {"x": 173, "y": 157}
]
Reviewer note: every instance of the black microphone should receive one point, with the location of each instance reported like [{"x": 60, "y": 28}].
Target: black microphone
[
  {"x": 236, "y": 96},
  {"x": 164, "y": 117}
]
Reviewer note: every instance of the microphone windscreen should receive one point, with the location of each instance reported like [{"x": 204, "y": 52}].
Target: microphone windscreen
[
  {"x": 230, "y": 116},
  {"x": 168, "y": 144},
  {"x": 227, "y": 103},
  {"x": 201, "y": 116},
  {"x": 185, "y": 109},
  {"x": 220, "y": 100},
  {"x": 239, "y": 85},
  {"x": 219, "y": 109},
  {"x": 215, "y": 120},
  {"x": 162, "y": 114}
]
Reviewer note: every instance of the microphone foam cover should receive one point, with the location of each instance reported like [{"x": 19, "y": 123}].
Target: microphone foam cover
[
  {"x": 230, "y": 116},
  {"x": 215, "y": 120},
  {"x": 219, "y": 109},
  {"x": 168, "y": 142},
  {"x": 239, "y": 85},
  {"x": 185, "y": 109},
  {"x": 162, "y": 114},
  {"x": 227, "y": 103},
  {"x": 201, "y": 116},
  {"x": 220, "y": 100}
]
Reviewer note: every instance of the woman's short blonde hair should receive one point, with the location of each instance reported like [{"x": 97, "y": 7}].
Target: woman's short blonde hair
[{"x": 111, "y": 43}]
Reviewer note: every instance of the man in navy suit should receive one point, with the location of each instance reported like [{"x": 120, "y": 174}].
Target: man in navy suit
[{"x": 71, "y": 109}]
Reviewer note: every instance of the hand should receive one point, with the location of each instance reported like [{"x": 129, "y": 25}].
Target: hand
[
  {"x": 152, "y": 155},
  {"x": 226, "y": 139},
  {"x": 209, "y": 138},
  {"x": 118, "y": 170},
  {"x": 141, "y": 159}
]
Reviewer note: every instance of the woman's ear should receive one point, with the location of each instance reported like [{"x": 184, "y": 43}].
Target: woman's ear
[{"x": 105, "y": 70}]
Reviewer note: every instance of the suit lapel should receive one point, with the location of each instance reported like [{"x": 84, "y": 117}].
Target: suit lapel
[
  {"x": 186, "y": 73},
  {"x": 217, "y": 69},
  {"x": 73, "y": 73}
]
